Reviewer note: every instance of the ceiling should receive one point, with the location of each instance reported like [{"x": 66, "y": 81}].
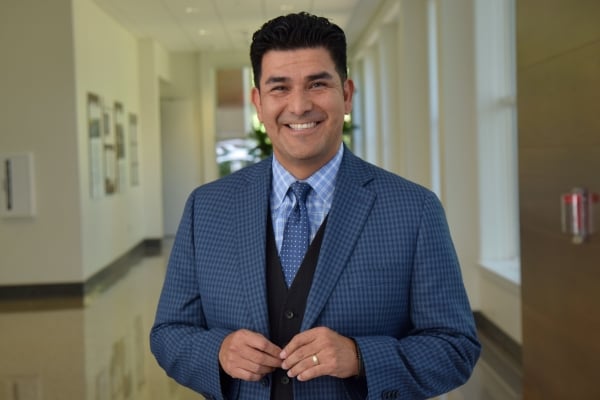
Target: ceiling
[{"x": 226, "y": 25}]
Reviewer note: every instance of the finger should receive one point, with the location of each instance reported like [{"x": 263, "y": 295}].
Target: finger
[
  {"x": 256, "y": 348},
  {"x": 308, "y": 368},
  {"x": 300, "y": 354},
  {"x": 335, "y": 356},
  {"x": 249, "y": 371},
  {"x": 245, "y": 369},
  {"x": 304, "y": 345},
  {"x": 268, "y": 348},
  {"x": 299, "y": 340},
  {"x": 311, "y": 373},
  {"x": 244, "y": 374},
  {"x": 248, "y": 355}
]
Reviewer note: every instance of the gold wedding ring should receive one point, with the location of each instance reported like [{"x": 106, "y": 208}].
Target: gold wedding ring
[{"x": 315, "y": 359}]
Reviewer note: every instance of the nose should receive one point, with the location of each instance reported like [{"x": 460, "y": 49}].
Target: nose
[{"x": 300, "y": 102}]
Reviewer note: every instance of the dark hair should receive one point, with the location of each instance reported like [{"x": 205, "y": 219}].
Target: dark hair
[{"x": 298, "y": 31}]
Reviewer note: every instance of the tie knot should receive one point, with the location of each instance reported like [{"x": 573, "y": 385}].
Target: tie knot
[{"x": 300, "y": 190}]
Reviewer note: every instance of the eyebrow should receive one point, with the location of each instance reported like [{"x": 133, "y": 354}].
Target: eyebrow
[
  {"x": 321, "y": 75},
  {"x": 309, "y": 78},
  {"x": 276, "y": 79}
]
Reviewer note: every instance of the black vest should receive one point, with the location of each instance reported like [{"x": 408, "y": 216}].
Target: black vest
[{"x": 287, "y": 305}]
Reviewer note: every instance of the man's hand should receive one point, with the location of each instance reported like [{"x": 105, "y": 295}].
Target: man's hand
[
  {"x": 318, "y": 352},
  {"x": 248, "y": 355}
]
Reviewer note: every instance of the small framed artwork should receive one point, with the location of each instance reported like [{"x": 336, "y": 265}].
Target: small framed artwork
[
  {"x": 95, "y": 140},
  {"x": 134, "y": 164},
  {"x": 120, "y": 146},
  {"x": 110, "y": 153}
]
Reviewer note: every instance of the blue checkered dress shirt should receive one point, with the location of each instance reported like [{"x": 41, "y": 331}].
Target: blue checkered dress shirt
[{"x": 318, "y": 201}]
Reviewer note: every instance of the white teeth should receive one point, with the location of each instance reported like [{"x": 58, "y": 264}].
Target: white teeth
[{"x": 307, "y": 125}]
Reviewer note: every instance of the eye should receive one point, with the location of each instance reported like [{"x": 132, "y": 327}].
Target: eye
[
  {"x": 317, "y": 84},
  {"x": 279, "y": 88}
]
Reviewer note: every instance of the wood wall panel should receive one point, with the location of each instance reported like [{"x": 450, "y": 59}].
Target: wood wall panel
[
  {"x": 558, "y": 86},
  {"x": 550, "y": 28}
]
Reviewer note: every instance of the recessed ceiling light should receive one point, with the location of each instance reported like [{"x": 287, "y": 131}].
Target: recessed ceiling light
[
  {"x": 191, "y": 10},
  {"x": 286, "y": 7},
  {"x": 203, "y": 32}
]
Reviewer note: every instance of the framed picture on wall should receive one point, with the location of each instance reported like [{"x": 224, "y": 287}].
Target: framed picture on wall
[
  {"x": 95, "y": 140},
  {"x": 110, "y": 151},
  {"x": 120, "y": 146},
  {"x": 134, "y": 167}
]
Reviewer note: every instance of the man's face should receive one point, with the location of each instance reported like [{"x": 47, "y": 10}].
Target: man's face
[{"x": 302, "y": 102}]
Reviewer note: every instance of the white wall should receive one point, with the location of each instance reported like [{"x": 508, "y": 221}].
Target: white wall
[
  {"x": 409, "y": 104},
  {"x": 106, "y": 63},
  {"x": 114, "y": 65},
  {"x": 458, "y": 71},
  {"x": 154, "y": 66},
  {"x": 230, "y": 122},
  {"x": 189, "y": 122},
  {"x": 65, "y": 50},
  {"x": 181, "y": 137},
  {"x": 182, "y": 157},
  {"x": 497, "y": 167},
  {"x": 208, "y": 63},
  {"x": 37, "y": 114},
  {"x": 458, "y": 135}
]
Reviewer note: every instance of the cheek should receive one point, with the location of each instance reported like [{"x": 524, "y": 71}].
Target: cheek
[
  {"x": 268, "y": 113},
  {"x": 335, "y": 105},
  {"x": 269, "y": 120}
]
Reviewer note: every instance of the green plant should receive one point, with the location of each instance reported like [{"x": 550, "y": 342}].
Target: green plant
[{"x": 264, "y": 147}]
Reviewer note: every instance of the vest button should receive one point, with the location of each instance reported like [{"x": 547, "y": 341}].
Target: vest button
[
  {"x": 285, "y": 380},
  {"x": 289, "y": 314}
]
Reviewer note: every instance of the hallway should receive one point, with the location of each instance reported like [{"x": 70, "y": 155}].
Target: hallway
[
  {"x": 62, "y": 349},
  {"x": 438, "y": 103}
]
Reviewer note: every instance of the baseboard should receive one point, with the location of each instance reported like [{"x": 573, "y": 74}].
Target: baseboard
[
  {"x": 501, "y": 353},
  {"x": 500, "y": 338},
  {"x": 72, "y": 295}
]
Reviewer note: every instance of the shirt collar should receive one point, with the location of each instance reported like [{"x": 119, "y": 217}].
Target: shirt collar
[{"x": 322, "y": 181}]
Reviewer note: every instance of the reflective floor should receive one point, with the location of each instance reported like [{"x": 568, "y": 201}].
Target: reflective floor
[{"x": 100, "y": 351}]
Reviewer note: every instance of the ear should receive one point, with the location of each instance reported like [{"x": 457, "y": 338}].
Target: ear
[
  {"x": 255, "y": 97},
  {"x": 348, "y": 93}
]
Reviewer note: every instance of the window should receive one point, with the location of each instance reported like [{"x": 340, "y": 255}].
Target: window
[{"x": 497, "y": 137}]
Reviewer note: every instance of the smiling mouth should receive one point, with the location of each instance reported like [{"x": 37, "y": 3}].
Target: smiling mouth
[{"x": 299, "y": 127}]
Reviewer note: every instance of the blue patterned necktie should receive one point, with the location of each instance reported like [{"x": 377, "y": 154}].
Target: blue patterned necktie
[{"x": 296, "y": 235}]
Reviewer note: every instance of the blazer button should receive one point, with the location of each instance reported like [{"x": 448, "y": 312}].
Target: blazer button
[
  {"x": 289, "y": 314},
  {"x": 285, "y": 380},
  {"x": 390, "y": 394},
  {"x": 264, "y": 381}
]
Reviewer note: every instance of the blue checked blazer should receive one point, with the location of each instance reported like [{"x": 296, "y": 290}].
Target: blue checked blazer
[{"x": 387, "y": 276}]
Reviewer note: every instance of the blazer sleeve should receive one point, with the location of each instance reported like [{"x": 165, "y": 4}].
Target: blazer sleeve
[
  {"x": 441, "y": 349},
  {"x": 179, "y": 339}
]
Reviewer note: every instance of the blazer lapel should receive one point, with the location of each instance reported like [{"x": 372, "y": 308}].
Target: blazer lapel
[
  {"x": 351, "y": 198},
  {"x": 251, "y": 207}
]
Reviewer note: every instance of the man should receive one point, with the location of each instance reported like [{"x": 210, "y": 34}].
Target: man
[{"x": 375, "y": 309}]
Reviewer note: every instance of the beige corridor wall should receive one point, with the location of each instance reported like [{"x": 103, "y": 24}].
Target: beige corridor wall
[
  {"x": 457, "y": 65},
  {"x": 37, "y": 115},
  {"x": 106, "y": 64},
  {"x": 53, "y": 55}
]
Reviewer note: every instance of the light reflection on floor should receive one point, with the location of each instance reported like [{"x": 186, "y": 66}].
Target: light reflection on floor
[{"x": 101, "y": 352}]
